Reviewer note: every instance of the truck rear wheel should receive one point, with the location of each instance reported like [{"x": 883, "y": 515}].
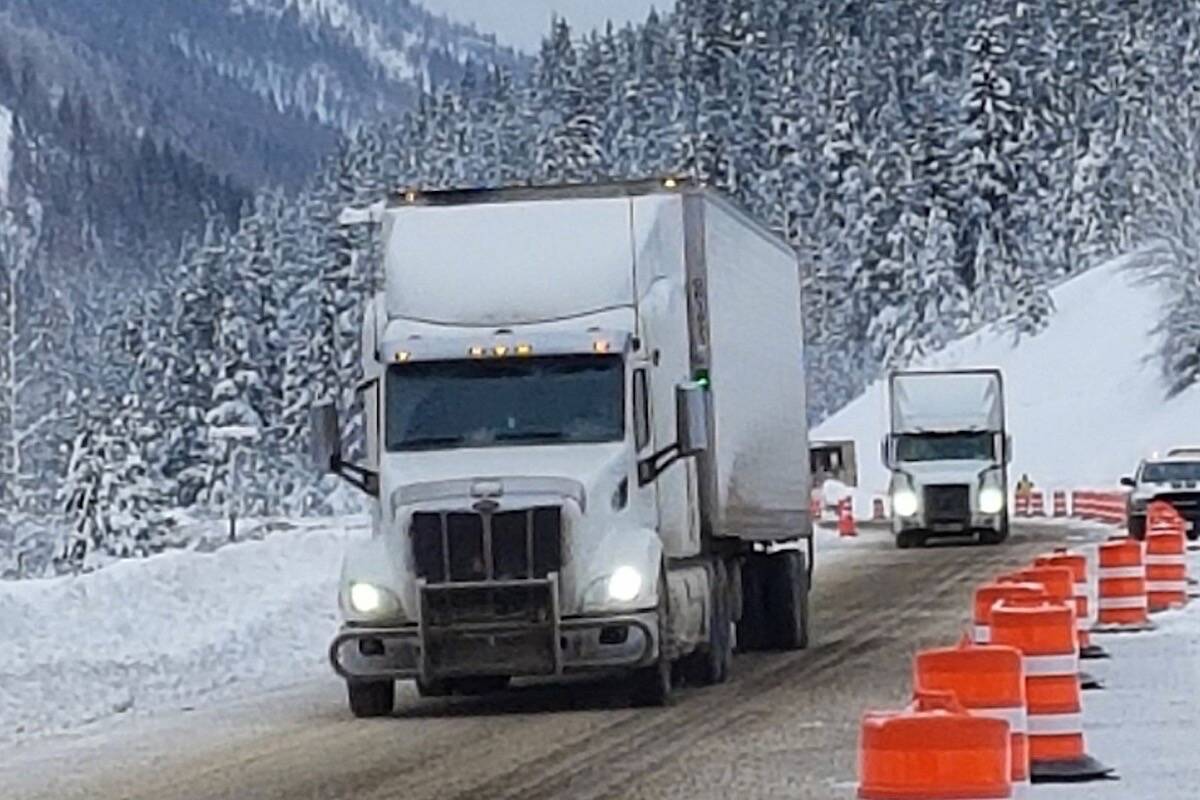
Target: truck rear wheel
[
  {"x": 752, "y": 628},
  {"x": 907, "y": 539},
  {"x": 374, "y": 699},
  {"x": 787, "y": 600},
  {"x": 709, "y": 664},
  {"x": 652, "y": 685}
]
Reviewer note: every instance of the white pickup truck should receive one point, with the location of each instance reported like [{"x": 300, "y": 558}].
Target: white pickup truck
[
  {"x": 586, "y": 443},
  {"x": 1175, "y": 479}
]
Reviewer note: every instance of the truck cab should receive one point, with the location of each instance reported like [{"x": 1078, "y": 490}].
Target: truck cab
[
  {"x": 566, "y": 472},
  {"x": 948, "y": 453}
]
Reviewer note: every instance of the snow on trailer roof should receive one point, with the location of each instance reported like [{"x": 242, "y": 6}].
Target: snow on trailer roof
[
  {"x": 602, "y": 190},
  {"x": 930, "y": 401}
]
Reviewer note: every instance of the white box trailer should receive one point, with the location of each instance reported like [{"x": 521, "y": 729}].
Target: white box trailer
[{"x": 589, "y": 447}]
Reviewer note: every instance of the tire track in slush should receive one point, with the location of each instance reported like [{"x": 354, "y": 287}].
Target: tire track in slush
[{"x": 638, "y": 746}]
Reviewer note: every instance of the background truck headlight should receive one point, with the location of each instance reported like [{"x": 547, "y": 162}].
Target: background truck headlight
[
  {"x": 365, "y": 598},
  {"x": 904, "y": 502},
  {"x": 991, "y": 500},
  {"x": 625, "y": 584}
]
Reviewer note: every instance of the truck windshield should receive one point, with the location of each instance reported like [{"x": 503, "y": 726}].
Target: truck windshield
[
  {"x": 436, "y": 405},
  {"x": 1167, "y": 472},
  {"x": 945, "y": 447}
]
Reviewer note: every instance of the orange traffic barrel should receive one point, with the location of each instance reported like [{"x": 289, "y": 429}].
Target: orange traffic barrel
[
  {"x": 1044, "y": 632},
  {"x": 845, "y": 522},
  {"x": 1166, "y": 557},
  {"x": 934, "y": 750},
  {"x": 1123, "y": 604},
  {"x": 1086, "y": 609},
  {"x": 1060, "y": 586},
  {"x": 988, "y": 681},
  {"x": 986, "y": 597}
]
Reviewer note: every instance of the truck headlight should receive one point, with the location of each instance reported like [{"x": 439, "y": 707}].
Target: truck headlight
[
  {"x": 624, "y": 584},
  {"x": 904, "y": 502},
  {"x": 365, "y": 598},
  {"x": 991, "y": 500}
]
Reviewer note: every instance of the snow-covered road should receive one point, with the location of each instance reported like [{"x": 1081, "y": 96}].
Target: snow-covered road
[{"x": 785, "y": 726}]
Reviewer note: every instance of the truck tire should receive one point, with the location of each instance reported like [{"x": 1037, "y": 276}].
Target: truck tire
[
  {"x": 998, "y": 536},
  {"x": 373, "y": 699},
  {"x": 710, "y": 662},
  {"x": 787, "y": 600},
  {"x": 908, "y": 539},
  {"x": 1137, "y": 528},
  {"x": 752, "y": 629},
  {"x": 651, "y": 686}
]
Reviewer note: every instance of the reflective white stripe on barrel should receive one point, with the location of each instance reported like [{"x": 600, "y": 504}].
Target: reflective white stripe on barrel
[
  {"x": 1173, "y": 560},
  {"x": 1117, "y": 603},
  {"x": 1017, "y": 719},
  {"x": 1117, "y": 573},
  {"x": 1166, "y": 586},
  {"x": 983, "y": 634},
  {"x": 1055, "y": 724},
  {"x": 1047, "y": 666}
]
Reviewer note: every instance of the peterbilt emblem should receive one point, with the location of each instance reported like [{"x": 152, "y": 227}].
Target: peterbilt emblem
[{"x": 487, "y": 489}]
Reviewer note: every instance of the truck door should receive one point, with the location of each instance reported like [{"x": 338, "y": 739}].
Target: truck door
[{"x": 676, "y": 490}]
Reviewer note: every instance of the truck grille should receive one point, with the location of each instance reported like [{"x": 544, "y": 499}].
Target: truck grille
[
  {"x": 947, "y": 503},
  {"x": 490, "y": 628},
  {"x": 462, "y": 547}
]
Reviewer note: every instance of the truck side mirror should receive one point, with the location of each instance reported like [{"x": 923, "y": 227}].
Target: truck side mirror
[
  {"x": 326, "y": 438},
  {"x": 885, "y": 452},
  {"x": 691, "y": 418},
  {"x": 1128, "y": 481}
]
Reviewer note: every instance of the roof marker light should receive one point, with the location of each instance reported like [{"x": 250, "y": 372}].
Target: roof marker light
[
  {"x": 403, "y": 356},
  {"x": 524, "y": 350},
  {"x": 476, "y": 352},
  {"x": 501, "y": 350},
  {"x": 601, "y": 346}
]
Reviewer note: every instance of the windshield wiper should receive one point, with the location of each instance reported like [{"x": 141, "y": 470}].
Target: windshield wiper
[
  {"x": 522, "y": 436},
  {"x": 428, "y": 442}
]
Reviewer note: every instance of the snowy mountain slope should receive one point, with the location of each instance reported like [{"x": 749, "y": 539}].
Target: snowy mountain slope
[
  {"x": 156, "y": 633},
  {"x": 1085, "y": 401},
  {"x": 258, "y": 88}
]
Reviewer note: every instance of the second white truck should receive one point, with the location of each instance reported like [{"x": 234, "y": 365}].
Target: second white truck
[
  {"x": 586, "y": 443},
  {"x": 948, "y": 452}
]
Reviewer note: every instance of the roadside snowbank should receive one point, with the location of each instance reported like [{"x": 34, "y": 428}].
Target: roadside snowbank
[
  {"x": 159, "y": 633},
  {"x": 1085, "y": 400}
]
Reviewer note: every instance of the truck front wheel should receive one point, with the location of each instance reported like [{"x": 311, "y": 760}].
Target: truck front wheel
[
  {"x": 374, "y": 699},
  {"x": 709, "y": 664},
  {"x": 652, "y": 685}
]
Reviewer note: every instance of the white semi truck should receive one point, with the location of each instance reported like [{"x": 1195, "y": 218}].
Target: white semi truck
[
  {"x": 948, "y": 453},
  {"x": 586, "y": 443}
]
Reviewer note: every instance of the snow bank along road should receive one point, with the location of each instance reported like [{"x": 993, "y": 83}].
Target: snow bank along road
[{"x": 785, "y": 726}]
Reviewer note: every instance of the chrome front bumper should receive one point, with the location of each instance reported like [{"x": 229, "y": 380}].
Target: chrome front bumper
[{"x": 525, "y": 642}]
